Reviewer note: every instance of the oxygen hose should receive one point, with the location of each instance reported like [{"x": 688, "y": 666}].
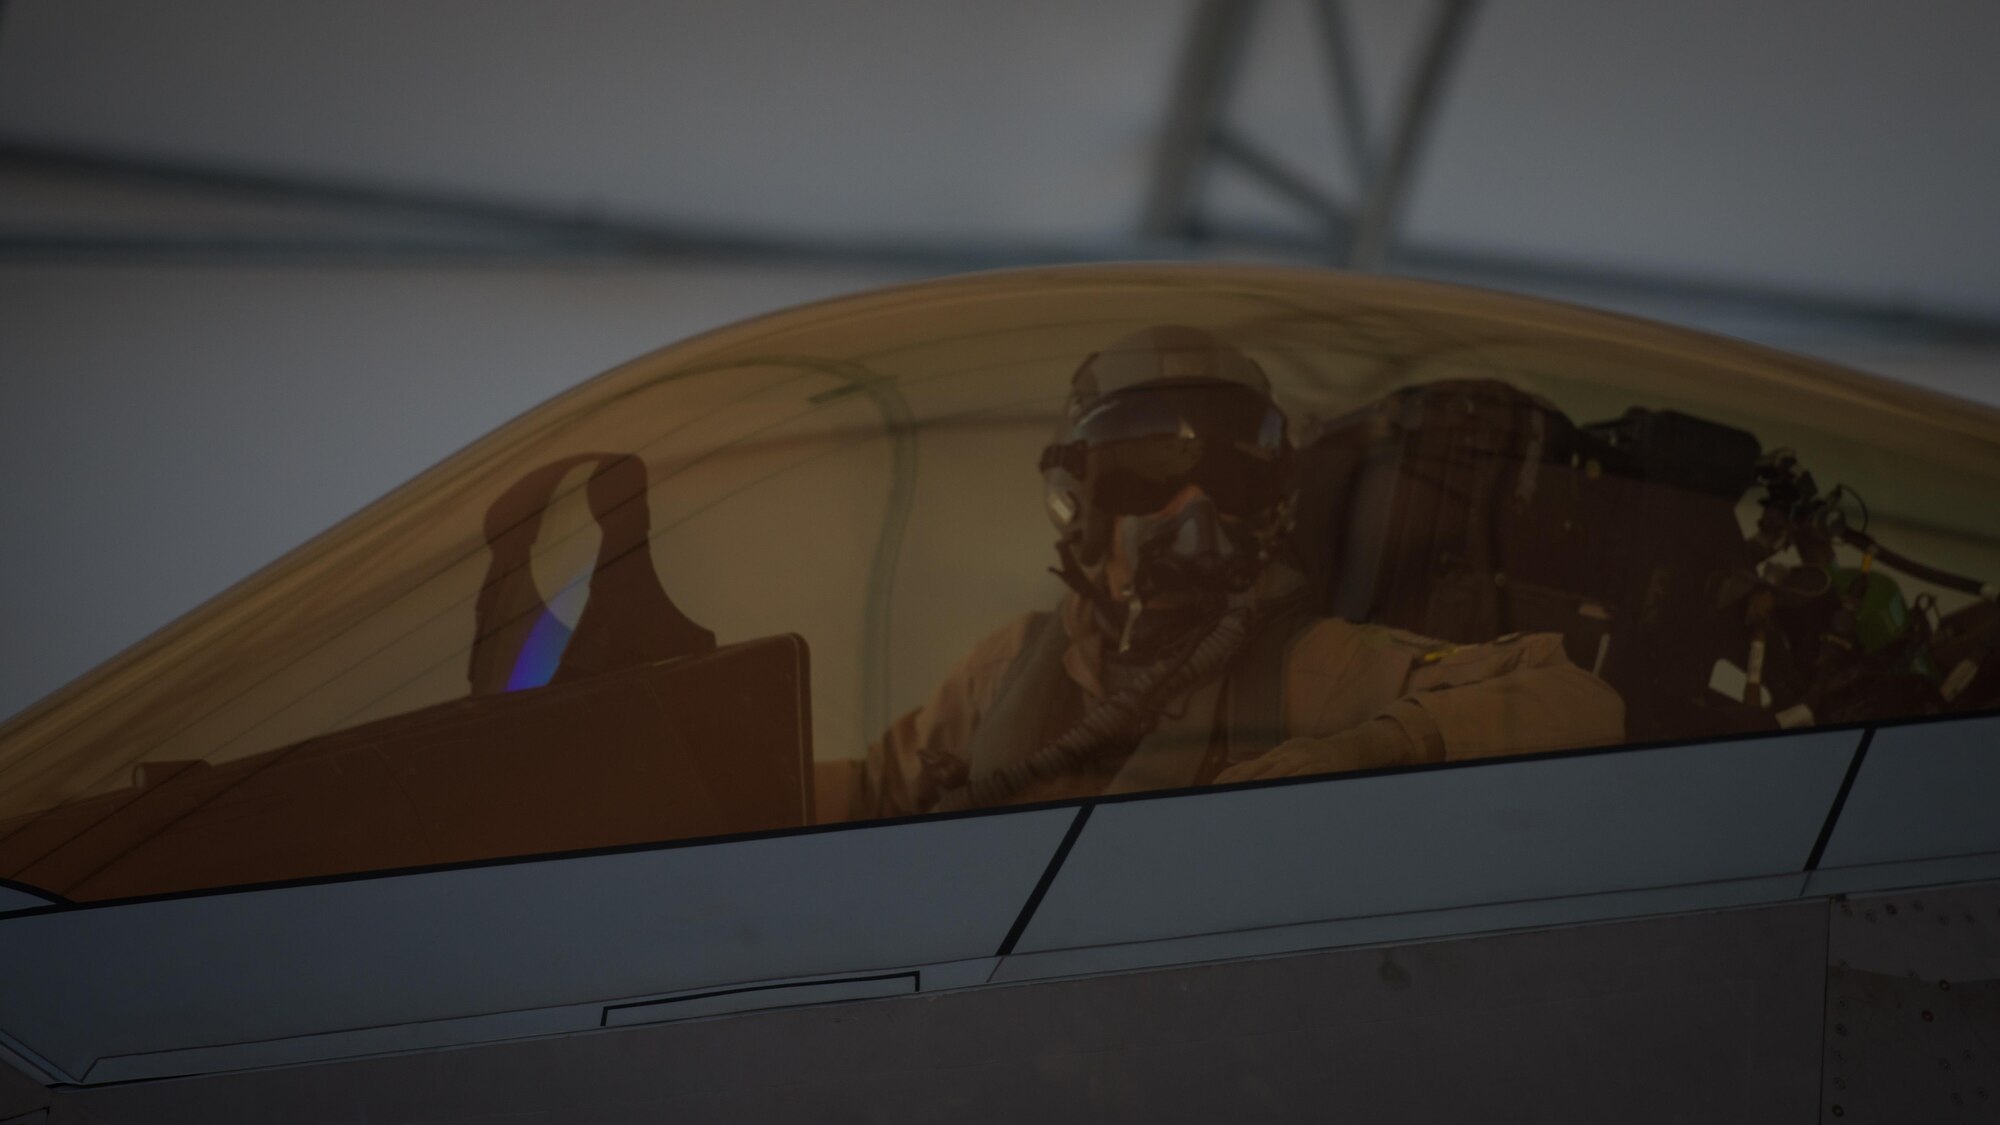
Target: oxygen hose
[
  {"x": 1917, "y": 570},
  {"x": 1118, "y": 719}
]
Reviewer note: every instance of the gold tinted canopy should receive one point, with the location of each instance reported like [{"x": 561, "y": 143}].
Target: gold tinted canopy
[{"x": 685, "y": 598}]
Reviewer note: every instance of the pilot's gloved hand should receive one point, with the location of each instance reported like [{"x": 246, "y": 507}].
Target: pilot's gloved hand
[{"x": 1372, "y": 745}]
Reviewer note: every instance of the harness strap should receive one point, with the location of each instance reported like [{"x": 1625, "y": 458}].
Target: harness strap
[{"x": 1033, "y": 684}]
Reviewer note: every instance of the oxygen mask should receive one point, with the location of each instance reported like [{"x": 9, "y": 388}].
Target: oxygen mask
[
  {"x": 1188, "y": 562},
  {"x": 1186, "y": 485},
  {"x": 1188, "y": 552}
]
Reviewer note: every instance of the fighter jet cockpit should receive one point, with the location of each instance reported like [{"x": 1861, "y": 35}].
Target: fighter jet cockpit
[{"x": 1040, "y": 536}]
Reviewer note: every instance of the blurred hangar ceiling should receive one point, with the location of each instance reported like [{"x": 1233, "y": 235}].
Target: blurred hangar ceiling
[{"x": 1788, "y": 161}]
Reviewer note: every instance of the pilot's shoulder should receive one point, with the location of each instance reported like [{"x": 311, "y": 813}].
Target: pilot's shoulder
[
  {"x": 1329, "y": 633},
  {"x": 1335, "y": 650},
  {"x": 1331, "y": 640}
]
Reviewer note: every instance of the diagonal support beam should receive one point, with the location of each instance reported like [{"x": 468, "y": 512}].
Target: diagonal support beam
[
  {"x": 1389, "y": 188},
  {"x": 1281, "y": 178},
  {"x": 1350, "y": 105},
  {"x": 1195, "y": 135},
  {"x": 1217, "y": 35}
]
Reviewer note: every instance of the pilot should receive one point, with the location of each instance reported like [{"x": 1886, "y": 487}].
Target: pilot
[{"x": 1184, "y": 652}]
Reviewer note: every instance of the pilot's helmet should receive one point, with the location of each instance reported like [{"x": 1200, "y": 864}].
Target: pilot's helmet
[{"x": 1178, "y": 431}]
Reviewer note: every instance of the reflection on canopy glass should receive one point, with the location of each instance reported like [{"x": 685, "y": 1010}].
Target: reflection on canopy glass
[{"x": 1035, "y": 536}]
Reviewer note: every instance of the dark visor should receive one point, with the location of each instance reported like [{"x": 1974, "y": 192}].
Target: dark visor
[{"x": 1136, "y": 450}]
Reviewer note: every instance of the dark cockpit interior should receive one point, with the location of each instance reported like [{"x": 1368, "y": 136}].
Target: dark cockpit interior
[{"x": 1039, "y": 536}]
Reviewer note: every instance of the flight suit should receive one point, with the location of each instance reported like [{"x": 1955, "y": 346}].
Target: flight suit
[{"x": 1352, "y": 697}]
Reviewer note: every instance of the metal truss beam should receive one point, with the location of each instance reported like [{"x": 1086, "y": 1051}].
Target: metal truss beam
[
  {"x": 1216, "y": 37},
  {"x": 376, "y": 222},
  {"x": 1362, "y": 235},
  {"x": 432, "y": 226},
  {"x": 1343, "y": 70},
  {"x": 1282, "y": 179},
  {"x": 1390, "y": 183}
]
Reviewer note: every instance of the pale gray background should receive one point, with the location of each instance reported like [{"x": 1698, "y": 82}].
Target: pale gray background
[{"x": 192, "y": 382}]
